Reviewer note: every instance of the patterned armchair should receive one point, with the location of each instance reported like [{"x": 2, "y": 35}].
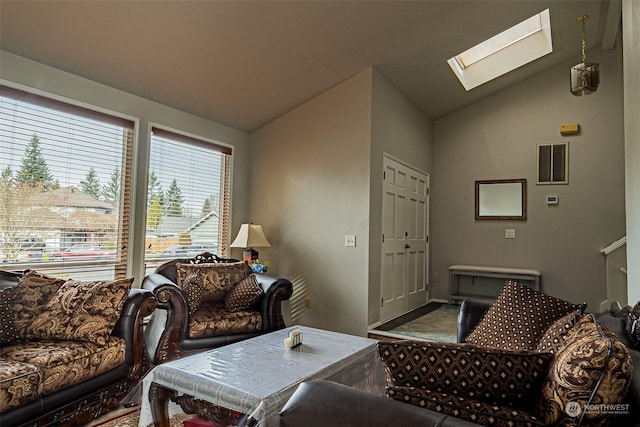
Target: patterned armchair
[{"x": 207, "y": 302}]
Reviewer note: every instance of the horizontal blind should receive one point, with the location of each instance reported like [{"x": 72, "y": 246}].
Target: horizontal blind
[
  {"x": 64, "y": 168},
  {"x": 187, "y": 206}
]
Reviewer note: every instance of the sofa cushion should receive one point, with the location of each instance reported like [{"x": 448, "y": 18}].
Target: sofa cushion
[
  {"x": 64, "y": 363},
  {"x": 553, "y": 338},
  {"x": 489, "y": 375},
  {"x": 592, "y": 368},
  {"x": 82, "y": 311},
  {"x": 243, "y": 295},
  {"x": 193, "y": 290},
  {"x": 8, "y": 331},
  {"x": 18, "y": 383},
  {"x": 217, "y": 278},
  {"x": 518, "y": 318},
  {"x": 30, "y": 297},
  {"x": 213, "y": 319},
  {"x": 460, "y": 407}
]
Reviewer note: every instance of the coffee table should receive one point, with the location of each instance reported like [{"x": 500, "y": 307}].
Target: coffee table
[{"x": 257, "y": 376}]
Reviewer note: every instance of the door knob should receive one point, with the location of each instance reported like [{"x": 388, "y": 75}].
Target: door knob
[{"x": 407, "y": 246}]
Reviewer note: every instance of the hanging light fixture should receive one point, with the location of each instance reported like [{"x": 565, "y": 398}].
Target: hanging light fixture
[{"x": 585, "y": 77}]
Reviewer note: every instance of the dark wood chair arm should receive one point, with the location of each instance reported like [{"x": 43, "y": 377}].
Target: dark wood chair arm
[{"x": 168, "y": 325}]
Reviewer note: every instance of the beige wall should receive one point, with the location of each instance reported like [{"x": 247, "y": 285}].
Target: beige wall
[
  {"x": 404, "y": 132},
  {"x": 496, "y": 138},
  {"x": 631, "y": 39},
  {"x": 309, "y": 188},
  {"x": 16, "y": 70}
]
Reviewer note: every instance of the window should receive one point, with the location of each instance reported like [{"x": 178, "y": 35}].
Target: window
[
  {"x": 553, "y": 163},
  {"x": 504, "y": 52},
  {"x": 65, "y": 187},
  {"x": 187, "y": 197}
]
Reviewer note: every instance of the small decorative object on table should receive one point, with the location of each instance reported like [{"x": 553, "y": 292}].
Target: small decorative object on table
[
  {"x": 259, "y": 267},
  {"x": 294, "y": 339}
]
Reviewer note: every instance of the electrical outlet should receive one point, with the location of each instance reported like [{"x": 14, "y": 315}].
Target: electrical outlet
[
  {"x": 307, "y": 302},
  {"x": 510, "y": 233},
  {"x": 436, "y": 276},
  {"x": 350, "y": 240}
]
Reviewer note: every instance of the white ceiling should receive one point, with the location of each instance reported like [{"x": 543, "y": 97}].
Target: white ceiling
[{"x": 245, "y": 63}]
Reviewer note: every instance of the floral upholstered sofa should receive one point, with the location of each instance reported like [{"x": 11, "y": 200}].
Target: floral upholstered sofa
[{"x": 69, "y": 350}]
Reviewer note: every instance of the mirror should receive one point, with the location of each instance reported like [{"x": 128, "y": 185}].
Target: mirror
[{"x": 501, "y": 199}]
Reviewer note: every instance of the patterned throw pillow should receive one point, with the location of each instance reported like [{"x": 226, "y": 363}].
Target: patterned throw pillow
[
  {"x": 465, "y": 370},
  {"x": 518, "y": 318},
  {"x": 553, "y": 338},
  {"x": 30, "y": 297},
  {"x": 82, "y": 311},
  {"x": 216, "y": 278},
  {"x": 8, "y": 331},
  {"x": 193, "y": 290},
  {"x": 592, "y": 368},
  {"x": 243, "y": 295}
]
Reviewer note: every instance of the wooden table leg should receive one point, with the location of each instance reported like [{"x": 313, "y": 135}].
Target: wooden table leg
[{"x": 159, "y": 400}]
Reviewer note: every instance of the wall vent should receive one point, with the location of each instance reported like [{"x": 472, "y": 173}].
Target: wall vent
[{"x": 553, "y": 163}]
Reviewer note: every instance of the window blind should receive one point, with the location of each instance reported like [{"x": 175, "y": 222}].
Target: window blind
[
  {"x": 65, "y": 185},
  {"x": 187, "y": 197}
]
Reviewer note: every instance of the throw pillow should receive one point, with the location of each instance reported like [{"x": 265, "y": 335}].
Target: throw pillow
[
  {"x": 216, "y": 278},
  {"x": 494, "y": 376},
  {"x": 32, "y": 294},
  {"x": 243, "y": 295},
  {"x": 592, "y": 368},
  {"x": 83, "y": 311},
  {"x": 633, "y": 325},
  {"x": 8, "y": 331},
  {"x": 193, "y": 290},
  {"x": 553, "y": 338},
  {"x": 518, "y": 318}
]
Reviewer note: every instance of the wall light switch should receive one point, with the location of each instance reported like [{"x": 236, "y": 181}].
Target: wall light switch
[
  {"x": 510, "y": 233},
  {"x": 350, "y": 240}
]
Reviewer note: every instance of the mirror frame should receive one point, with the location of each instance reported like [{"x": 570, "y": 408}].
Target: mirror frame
[{"x": 523, "y": 193}]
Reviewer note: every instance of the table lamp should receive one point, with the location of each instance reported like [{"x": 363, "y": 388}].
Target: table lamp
[{"x": 250, "y": 236}]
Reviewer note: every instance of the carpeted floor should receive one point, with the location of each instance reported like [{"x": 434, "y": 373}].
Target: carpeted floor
[{"x": 438, "y": 324}]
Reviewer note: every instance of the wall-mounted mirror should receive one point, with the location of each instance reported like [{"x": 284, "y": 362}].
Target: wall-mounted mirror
[{"x": 501, "y": 199}]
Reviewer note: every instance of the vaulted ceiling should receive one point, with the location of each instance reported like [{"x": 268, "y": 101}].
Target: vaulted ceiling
[{"x": 245, "y": 63}]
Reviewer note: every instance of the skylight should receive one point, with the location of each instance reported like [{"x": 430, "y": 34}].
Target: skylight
[{"x": 504, "y": 52}]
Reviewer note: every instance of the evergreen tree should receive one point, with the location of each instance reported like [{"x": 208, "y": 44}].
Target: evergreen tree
[
  {"x": 154, "y": 214},
  {"x": 207, "y": 206},
  {"x": 111, "y": 191},
  {"x": 154, "y": 190},
  {"x": 91, "y": 184},
  {"x": 174, "y": 200},
  {"x": 34, "y": 170}
]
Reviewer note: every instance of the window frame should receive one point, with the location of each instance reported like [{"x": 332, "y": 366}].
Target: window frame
[
  {"x": 202, "y": 142},
  {"x": 125, "y": 207}
]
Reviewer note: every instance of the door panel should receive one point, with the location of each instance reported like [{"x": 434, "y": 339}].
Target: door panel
[{"x": 405, "y": 239}]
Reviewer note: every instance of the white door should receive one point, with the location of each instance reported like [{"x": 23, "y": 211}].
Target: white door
[{"x": 405, "y": 240}]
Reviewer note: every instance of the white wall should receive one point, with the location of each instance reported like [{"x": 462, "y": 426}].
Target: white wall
[
  {"x": 631, "y": 40},
  {"x": 400, "y": 129},
  {"x": 23, "y": 72},
  {"x": 309, "y": 188},
  {"x": 496, "y": 138}
]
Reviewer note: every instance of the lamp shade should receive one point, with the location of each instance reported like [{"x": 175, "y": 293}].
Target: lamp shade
[{"x": 250, "y": 236}]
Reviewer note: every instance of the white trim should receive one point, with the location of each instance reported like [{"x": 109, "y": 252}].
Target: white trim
[{"x": 614, "y": 246}]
